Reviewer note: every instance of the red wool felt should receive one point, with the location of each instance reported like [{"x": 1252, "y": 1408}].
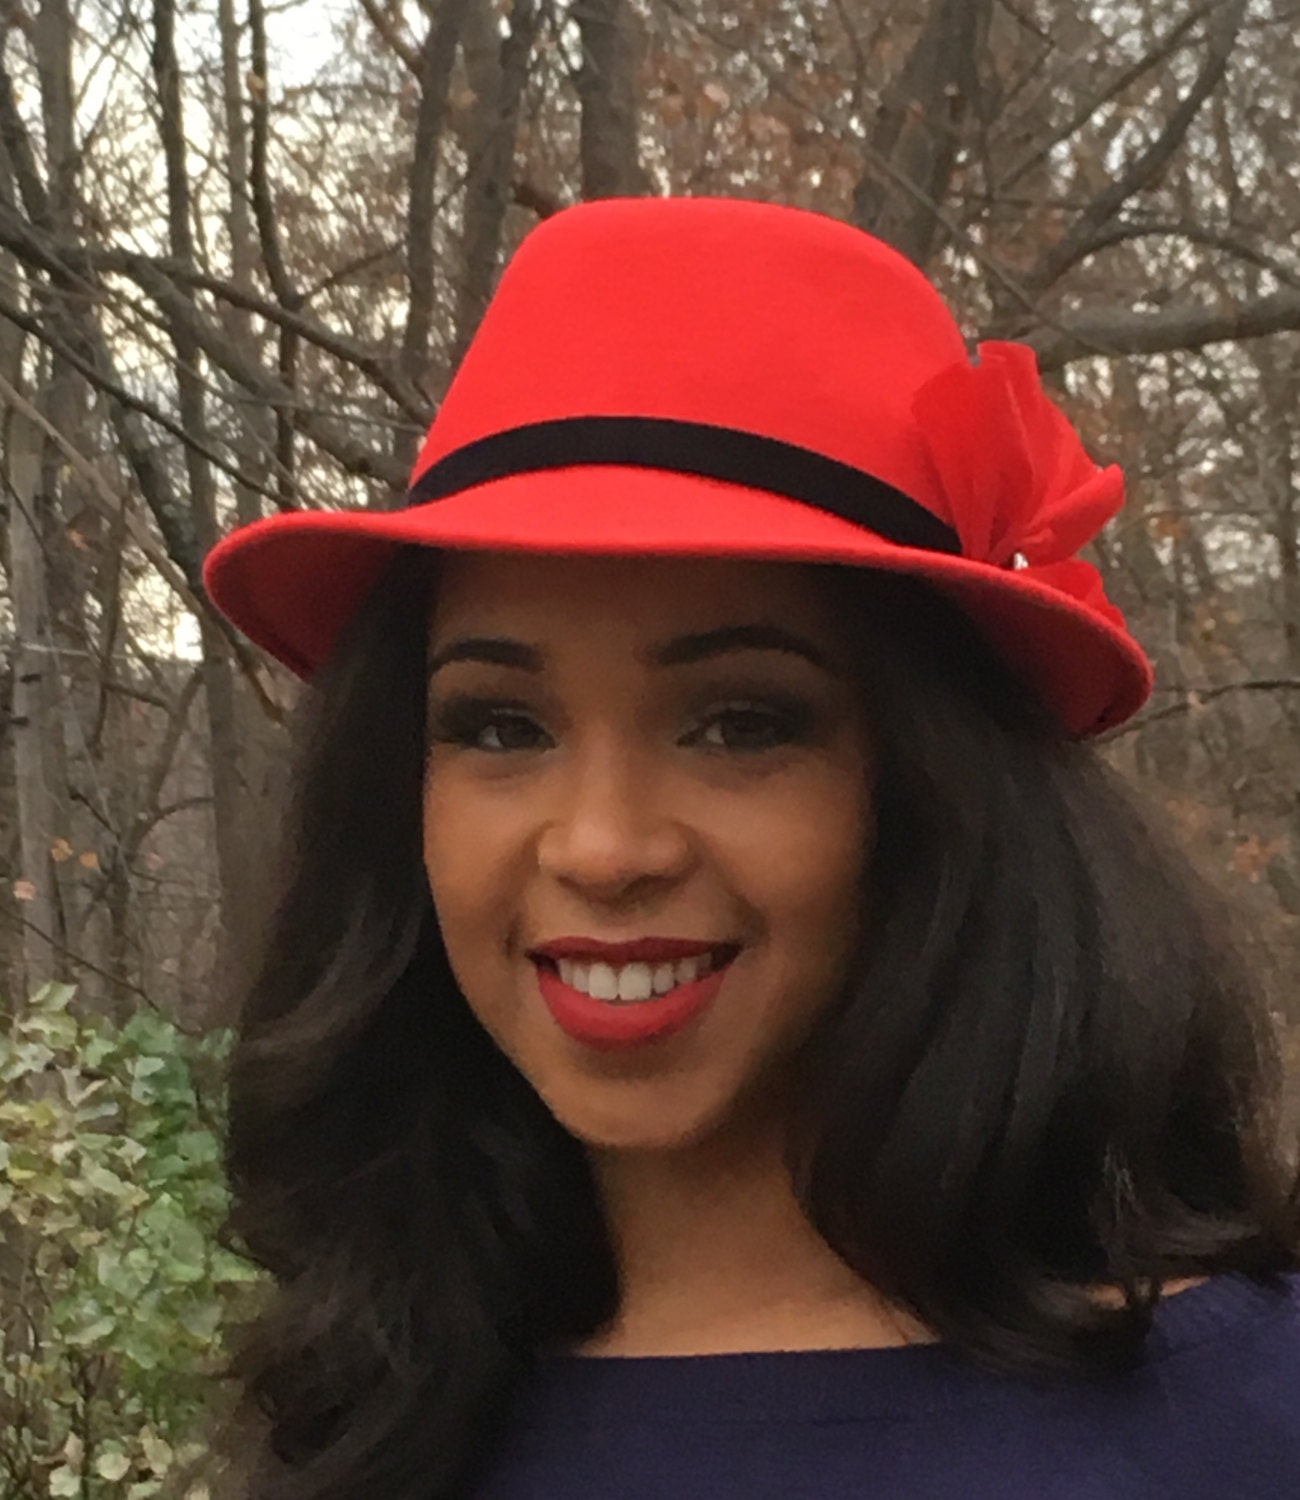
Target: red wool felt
[{"x": 767, "y": 322}]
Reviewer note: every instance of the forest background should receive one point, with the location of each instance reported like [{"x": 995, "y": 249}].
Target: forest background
[{"x": 242, "y": 246}]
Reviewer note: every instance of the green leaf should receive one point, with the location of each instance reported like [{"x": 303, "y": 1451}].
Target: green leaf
[
  {"x": 27, "y": 1058},
  {"x": 56, "y": 1030},
  {"x": 123, "y": 1199},
  {"x": 103, "y": 1181},
  {"x": 130, "y": 1152},
  {"x": 110, "y": 1272},
  {"x": 189, "y": 1243},
  {"x": 112, "y": 1464},
  {"x": 91, "y": 1333},
  {"x": 199, "y": 1147},
  {"x": 53, "y": 996},
  {"x": 100, "y": 1109},
  {"x": 203, "y": 1319},
  {"x": 65, "y": 1481},
  {"x": 97, "y": 1051},
  {"x": 230, "y": 1268},
  {"x": 158, "y": 1453},
  {"x": 77, "y": 1088}
]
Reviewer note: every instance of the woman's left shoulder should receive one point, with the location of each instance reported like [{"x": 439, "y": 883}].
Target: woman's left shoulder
[
  {"x": 1226, "y": 1309},
  {"x": 1219, "y": 1396}
]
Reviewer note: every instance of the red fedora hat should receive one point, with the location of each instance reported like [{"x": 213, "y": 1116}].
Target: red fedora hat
[{"x": 717, "y": 377}]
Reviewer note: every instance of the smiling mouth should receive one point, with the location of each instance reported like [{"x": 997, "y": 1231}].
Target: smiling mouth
[{"x": 635, "y": 983}]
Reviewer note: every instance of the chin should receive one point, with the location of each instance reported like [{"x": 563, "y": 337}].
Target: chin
[{"x": 638, "y": 1123}]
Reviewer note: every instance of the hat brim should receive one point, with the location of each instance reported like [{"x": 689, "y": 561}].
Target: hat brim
[{"x": 291, "y": 582}]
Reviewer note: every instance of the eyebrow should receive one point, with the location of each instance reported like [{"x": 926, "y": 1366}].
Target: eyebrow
[
  {"x": 498, "y": 651},
  {"x": 682, "y": 650}
]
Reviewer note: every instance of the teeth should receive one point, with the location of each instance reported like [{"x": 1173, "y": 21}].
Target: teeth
[
  {"x": 629, "y": 983},
  {"x": 685, "y": 970},
  {"x": 635, "y": 982},
  {"x": 603, "y": 983}
]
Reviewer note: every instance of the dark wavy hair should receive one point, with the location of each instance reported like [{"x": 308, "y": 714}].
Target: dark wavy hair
[{"x": 1051, "y": 1069}]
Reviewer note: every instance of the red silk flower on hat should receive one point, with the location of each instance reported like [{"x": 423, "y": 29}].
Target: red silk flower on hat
[{"x": 1014, "y": 471}]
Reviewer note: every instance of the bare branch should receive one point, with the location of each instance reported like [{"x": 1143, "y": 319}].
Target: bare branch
[
  {"x": 101, "y": 494},
  {"x": 959, "y": 234},
  {"x": 149, "y": 814},
  {"x": 246, "y": 371},
  {"x": 1111, "y": 90},
  {"x": 82, "y": 333},
  {"x": 386, "y": 26},
  {"x": 106, "y": 382},
  {"x": 1125, "y": 230},
  {"x": 1196, "y": 698},
  {"x": 543, "y": 204},
  {"x": 18, "y": 147},
  {"x": 1149, "y": 163},
  {"x": 67, "y": 258},
  {"x": 1116, "y": 331}
]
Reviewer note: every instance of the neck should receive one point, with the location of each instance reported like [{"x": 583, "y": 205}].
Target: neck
[{"x": 716, "y": 1256}]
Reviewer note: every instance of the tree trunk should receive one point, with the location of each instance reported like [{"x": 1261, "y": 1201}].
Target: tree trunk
[
  {"x": 35, "y": 710},
  {"x": 918, "y": 130},
  {"x": 611, "y": 155},
  {"x": 497, "y": 70},
  {"x": 229, "y": 819},
  {"x": 35, "y": 474},
  {"x": 254, "y": 442}
]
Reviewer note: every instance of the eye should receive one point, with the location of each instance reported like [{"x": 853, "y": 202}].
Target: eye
[
  {"x": 509, "y": 732},
  {"x": 493, "y": 728},
  {"x": 752, "y": 727}
]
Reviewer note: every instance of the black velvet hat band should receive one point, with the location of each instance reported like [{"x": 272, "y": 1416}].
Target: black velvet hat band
[{"x": 698, "y": 448}]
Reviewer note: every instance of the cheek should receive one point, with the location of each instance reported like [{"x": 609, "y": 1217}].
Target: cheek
[
  {"x": 470, "y": 850},
  {"x": 806, "y": 859}
]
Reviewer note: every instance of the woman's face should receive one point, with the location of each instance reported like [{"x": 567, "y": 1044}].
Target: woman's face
[{"x": 627, "y": 749}]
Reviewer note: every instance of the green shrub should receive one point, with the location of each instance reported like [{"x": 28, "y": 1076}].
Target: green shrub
[{"x": 113, "y": 1290}]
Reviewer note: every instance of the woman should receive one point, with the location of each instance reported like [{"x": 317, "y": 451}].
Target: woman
[{"x": 725, "y": 1032}]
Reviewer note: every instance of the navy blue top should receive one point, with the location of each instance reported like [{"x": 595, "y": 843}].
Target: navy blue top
[{"x": 1213, "y": 1413}]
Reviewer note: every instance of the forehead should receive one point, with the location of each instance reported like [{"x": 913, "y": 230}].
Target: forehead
[{"x": 641, "y": 597}]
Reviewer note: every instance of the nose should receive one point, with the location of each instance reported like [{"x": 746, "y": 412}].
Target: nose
[{"x": 610, "y": 832}]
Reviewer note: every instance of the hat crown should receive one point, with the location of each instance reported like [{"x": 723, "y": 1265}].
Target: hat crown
[{"x": 750, "y": 316}]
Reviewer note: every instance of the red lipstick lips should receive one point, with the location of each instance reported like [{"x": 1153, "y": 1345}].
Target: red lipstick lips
[
  {"x": 610, "y": 1025},
  {"x": 641, "y": 950}
]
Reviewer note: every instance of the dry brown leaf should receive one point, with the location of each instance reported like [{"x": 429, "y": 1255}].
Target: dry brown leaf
[
  {"x": 1166, "y": 526},
  {"x": 1253, "y": 855}
]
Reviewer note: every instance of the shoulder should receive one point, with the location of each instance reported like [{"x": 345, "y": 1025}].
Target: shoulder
[
  {"x": 1212, "y": 1412},
  {"x": 1215, "y": 1408}
]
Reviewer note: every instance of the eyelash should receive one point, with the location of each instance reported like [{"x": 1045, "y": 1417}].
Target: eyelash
[{"x": 462, "y": 722}]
